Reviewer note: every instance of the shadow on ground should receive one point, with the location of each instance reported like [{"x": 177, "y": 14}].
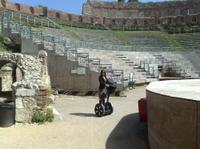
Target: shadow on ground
[
  {"x": 129, "y": 133},
  {"x": 83, "y": 114}
]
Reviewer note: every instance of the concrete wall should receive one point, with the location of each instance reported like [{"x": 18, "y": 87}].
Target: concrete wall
[
  {"x": 61, "y": 77},
  {"x": 173, "y": 123},
  {"x": 60, "y": 68},
  {"x": 28, "y": 47}
]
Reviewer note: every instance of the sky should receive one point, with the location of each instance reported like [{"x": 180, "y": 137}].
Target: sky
[{"x": 72, "y": 6}]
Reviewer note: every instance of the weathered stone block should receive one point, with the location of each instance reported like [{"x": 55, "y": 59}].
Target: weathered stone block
[
  {"x": 25, "y": 92},
  {"x": 19, "y": 103},
  {"x": 23, "y": 116},
  {"x": 24, "y": 109}
]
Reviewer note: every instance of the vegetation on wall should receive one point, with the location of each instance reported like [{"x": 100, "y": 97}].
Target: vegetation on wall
[{"x": 3, "y": 47}]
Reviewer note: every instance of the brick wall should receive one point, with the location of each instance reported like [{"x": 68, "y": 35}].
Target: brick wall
[
  {"x": 155, "y": 10},
  {"x": 42, "y": 98},
  {"x": 25, "y": 9},
  {"x": 86, "y": 19},
  {"x": 51, "y": 13},
  {"x": 64, "y": 16},
  {"x": 38, "y": 10},
  {"x": 75, "y": 18},
  {"x": 12, "y": 6},
  {"x": 98, "y": 20},
  {"x": 108, "y": 21},
  {"x": 164, "y": 13}
]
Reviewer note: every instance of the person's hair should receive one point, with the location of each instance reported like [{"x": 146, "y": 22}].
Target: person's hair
[{"x": 101, "y": 73}]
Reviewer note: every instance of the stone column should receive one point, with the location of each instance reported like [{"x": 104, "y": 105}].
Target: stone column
[
  {"x": 24, "y": 104},
  {"x": 44, "y": 72}
]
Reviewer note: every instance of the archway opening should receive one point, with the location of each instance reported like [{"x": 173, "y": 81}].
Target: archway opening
[{"x": 9, "y": 74}]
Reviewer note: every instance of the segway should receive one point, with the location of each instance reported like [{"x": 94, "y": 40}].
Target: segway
[
  {"x": 99, "y": 110},
  {"x": 104, "y": 108},
  {"x": 108, "y": 108}
]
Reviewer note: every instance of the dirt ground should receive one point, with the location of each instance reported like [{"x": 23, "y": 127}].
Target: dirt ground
[{"x": 81, "y": 129}]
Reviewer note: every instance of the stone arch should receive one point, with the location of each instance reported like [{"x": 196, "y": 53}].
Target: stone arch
[
  {"x": 9, "y": 74},
  {"x": 5, "y": 62},
  {"x": 29, "y": 65}
]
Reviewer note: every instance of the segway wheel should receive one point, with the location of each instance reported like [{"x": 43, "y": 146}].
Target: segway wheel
[
  {"x": 109, "y": 108},
  {"x": 99, "y": 110}
]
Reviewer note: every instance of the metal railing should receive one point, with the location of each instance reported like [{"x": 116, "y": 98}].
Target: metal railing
[
  {"x": 28, "y": 19},
  {"x": 60, "y": 46}
]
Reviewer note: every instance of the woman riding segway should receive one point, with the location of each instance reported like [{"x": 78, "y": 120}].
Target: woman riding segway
[{"x": 106, "y": 87}]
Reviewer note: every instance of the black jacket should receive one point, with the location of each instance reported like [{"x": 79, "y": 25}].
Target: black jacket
[{"x": 103, "y": 82}]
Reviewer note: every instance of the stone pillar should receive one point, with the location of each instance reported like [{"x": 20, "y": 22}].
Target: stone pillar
[
  {"x": 44, "y": 72},
  {"x": 24, "y": 104}
]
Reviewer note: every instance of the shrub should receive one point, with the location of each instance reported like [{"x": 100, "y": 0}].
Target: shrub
[
  {"x": 39, "y": 117},
  {"x": 49, "y": 115},
  {"x": 42, "y": 117}
]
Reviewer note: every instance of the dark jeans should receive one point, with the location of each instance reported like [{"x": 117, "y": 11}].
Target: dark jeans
[{"x": 105, "y": 93}]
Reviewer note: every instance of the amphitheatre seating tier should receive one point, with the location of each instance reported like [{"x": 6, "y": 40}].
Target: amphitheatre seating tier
[
  {"x": 120, "y": 61},
  {"x": 140, "y": 40},
  {"x": 189, "y": 40},
  {"x": 33, "y": 39}
]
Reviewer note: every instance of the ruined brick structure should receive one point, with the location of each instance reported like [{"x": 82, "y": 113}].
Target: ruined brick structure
[
  {"x": 140, "y": 10},
  {"x": 31, "y": 91},
  {"x": 122, "y": 14}
]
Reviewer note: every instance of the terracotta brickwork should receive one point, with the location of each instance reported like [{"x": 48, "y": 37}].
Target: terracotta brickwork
[
  {"x": 37, "y": 10},
  {"x": 12, "y": 6},
  {"x": 123, "y": 15},
  {"x": 42, "y": 98},
  {"x": 25, "y": 9},
  {"x": 124, "y": 10}
]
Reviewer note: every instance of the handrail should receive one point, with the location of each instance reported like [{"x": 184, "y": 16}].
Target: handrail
[
  {"x": 29, "y": 18},
  {"x": 30, "y": 33}
]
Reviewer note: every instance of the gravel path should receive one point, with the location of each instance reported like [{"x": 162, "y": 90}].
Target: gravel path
[{"x": 80, "y": 129}]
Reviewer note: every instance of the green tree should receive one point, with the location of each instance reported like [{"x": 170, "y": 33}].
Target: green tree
[
  {"x": 121, "y": 1},
  {"x": 133, "y": 1}
]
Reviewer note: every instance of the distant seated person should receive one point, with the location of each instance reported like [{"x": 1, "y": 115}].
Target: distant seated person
[{"x": 106, "y": 87}]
